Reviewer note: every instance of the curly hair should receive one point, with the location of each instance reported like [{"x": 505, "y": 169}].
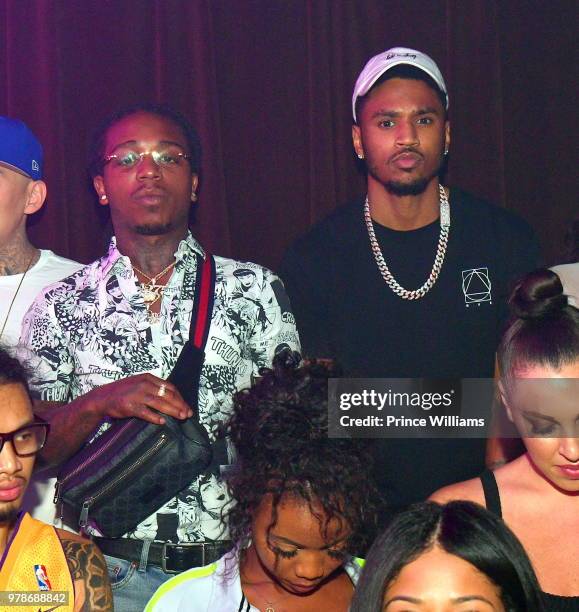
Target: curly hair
[{"x": 280, "y": 431}]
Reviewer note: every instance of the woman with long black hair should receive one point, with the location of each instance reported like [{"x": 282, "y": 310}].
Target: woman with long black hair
[{"x": 453, "y": 558}]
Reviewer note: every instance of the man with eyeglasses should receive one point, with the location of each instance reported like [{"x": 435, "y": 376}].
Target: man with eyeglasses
[
  {"x": 107, "y": 337},
  {"x": 41, "y": 568}
]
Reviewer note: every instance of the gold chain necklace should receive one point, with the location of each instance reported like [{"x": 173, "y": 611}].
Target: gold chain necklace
[
  {"x": 416, "y": 294},
  {"x": 15, "y": 294},
  {"x": 151, "y": 291}
]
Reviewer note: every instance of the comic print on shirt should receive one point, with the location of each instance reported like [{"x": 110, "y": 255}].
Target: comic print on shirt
[{"x": 92, "y": 328}]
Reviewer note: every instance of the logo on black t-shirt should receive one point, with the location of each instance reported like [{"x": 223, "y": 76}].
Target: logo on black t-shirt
[{"x": 476, "y": 286}]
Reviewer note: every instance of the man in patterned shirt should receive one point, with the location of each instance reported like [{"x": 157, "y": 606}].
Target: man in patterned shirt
[{"x": 106, "y": 338}]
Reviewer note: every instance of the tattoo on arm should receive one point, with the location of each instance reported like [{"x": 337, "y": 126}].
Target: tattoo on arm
[{"x": 87, "y": 566}]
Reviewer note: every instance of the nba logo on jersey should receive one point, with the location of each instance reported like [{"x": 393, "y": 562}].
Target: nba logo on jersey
[{"x": 42, "y": 578}]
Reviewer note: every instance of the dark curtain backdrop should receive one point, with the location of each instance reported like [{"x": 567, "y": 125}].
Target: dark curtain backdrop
[{"x": 268, "y": 84}]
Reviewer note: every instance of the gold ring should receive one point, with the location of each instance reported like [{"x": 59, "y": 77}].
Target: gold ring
[{"x": 162, "y": 390}]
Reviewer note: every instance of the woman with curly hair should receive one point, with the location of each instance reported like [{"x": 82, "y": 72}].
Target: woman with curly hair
[
  {"x": 537, "y": 494},
  {"x": 302, "y": 505}
]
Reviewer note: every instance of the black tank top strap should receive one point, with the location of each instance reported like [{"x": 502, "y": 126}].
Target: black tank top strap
[
  {"x": 491, "y": 492},
  {"x": 560, "y": 603}
]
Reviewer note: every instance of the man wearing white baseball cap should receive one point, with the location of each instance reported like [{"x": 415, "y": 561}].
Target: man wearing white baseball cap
[{"x": 410, "y": 280}]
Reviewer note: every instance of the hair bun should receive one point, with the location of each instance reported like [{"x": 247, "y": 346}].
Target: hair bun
[
  {"x": 286, "y": 408},
  {"x": 285, "y": 362},
  {"x": 538, "y": 295}
]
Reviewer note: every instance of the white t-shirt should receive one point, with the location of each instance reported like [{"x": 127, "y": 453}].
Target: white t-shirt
[
  {"x": 47, "y": 270},
  {"x": 216, "y": 587},
  {"x": 569, "y": 275}
]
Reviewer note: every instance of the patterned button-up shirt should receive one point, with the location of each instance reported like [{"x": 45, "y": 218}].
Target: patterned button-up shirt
[{"x": 93, "y": 328}]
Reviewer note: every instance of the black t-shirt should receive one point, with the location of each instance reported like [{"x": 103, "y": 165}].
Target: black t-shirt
[{"x": 345, "y": 310}]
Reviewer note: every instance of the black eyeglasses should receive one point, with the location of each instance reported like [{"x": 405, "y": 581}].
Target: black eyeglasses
[{"x": 28, "y": 440}]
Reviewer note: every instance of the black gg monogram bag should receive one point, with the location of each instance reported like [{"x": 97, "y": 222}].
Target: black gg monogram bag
[{"x": 135, "y": 467}]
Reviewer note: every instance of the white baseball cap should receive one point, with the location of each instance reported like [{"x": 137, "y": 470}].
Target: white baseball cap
[{"x": 382, "y": 62}]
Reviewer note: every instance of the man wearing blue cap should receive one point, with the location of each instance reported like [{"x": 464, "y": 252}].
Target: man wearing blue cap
[
  {"x": 24, "y": 269},
  {"x": 411, "y": 280}
]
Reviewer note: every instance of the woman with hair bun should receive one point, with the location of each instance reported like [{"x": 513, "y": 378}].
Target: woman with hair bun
[
  {"x": 302, "y": 504},
  {"x": 537, "y": 494},
  {"x": 453, "y": 558}
]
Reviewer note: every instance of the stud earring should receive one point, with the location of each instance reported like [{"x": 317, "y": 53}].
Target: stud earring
[
  {"x": 193, "y": 196},
  {"x": 360, "y": 155},
  {"x": 446, "y": 150},
  {"x": 104, "y": 196}
]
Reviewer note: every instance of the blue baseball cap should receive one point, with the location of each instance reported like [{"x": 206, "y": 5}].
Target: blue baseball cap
[{"x": 20, "y": 150}]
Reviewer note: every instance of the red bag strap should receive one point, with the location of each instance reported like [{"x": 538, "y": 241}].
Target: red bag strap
[{"x": 203, "y": 301}]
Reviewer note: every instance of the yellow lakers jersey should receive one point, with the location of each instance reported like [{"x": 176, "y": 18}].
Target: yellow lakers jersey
[{"x": 34, "y": 563}]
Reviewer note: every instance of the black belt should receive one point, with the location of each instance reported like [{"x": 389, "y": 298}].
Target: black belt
[{"x": 171, "y": 558}]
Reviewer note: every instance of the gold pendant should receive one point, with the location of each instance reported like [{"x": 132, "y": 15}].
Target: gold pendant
[
  {"x": 269, "y": 608},
  {"x": 150, "y": 294}
]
